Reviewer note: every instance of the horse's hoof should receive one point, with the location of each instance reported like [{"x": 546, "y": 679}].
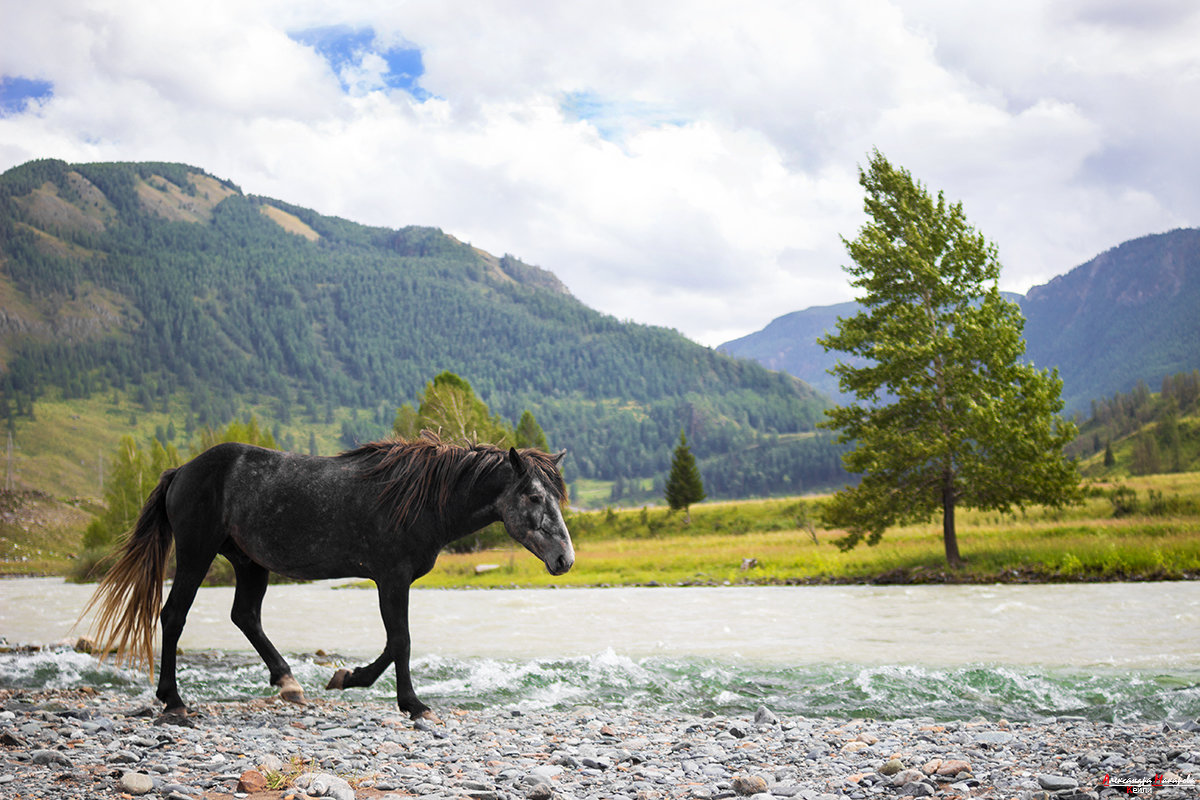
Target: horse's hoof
[
  {"x": 180, "y": 717},
  {"x": 290, "y": 690},
  {"x": 338, "y": 681},
  {"x": 429, "y": 716}
]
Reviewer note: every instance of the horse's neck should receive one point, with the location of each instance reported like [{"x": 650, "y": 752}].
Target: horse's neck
[{"x": 472, "y": 513}]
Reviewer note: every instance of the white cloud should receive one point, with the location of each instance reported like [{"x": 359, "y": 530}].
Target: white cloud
[{"x": 682, "y": 164}]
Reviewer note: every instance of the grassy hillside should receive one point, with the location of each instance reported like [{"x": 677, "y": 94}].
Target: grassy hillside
[
  {"x": 1143, "y": 432},
  {"x": 39, "y": 534},
  {"x": 62, "y": 450}
]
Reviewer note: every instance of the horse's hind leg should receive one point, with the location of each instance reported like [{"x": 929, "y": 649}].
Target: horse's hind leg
[
  {"x": 360, "y": 676},
  {"x": 188, "y": 576},
  {"x": 247, "y": 615}
]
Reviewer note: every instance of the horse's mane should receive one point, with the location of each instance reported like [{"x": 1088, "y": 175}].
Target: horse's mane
[{"x": 421, "y": 474}]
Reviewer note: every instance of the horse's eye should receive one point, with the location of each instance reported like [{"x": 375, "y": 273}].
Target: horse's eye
[{"x": 536, "y": 499}]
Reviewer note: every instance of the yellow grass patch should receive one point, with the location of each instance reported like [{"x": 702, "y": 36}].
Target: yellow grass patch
[{"x": 289, "y": 222}]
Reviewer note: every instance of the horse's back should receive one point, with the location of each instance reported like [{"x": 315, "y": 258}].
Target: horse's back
[
  {"x": 204, "y": 480},
  {"x": 304, "y": 516}
]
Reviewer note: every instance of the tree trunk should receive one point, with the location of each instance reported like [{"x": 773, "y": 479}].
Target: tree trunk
[{"x": 949, "y": 536}]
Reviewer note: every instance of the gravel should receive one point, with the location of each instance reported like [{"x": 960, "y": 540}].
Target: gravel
[{"x": 88, "y": 744}]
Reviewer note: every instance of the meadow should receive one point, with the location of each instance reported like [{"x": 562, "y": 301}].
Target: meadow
[
  {"x": 1128, "y": 528},
  {"x": 1145, "y": 528}
]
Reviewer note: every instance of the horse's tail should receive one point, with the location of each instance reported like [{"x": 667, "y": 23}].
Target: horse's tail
[{"x": 129, "y": 597}]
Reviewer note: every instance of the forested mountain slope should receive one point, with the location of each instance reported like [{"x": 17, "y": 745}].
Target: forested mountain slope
[
  {"x": 1130, "y": 314},
  {"x": 160, "y": 275}
]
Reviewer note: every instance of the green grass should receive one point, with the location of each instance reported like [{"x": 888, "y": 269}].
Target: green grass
[
  {"x": 57, "y": 457},
  {"x": 655, "y": 547}
]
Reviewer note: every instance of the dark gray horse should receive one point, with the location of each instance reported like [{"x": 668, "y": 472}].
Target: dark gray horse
[{"x": 381, "y": 511}]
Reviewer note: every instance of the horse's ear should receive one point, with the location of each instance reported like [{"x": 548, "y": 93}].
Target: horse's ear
[
  {"x": 559, "y": 456},
  {"x": 518, "y": 464}
]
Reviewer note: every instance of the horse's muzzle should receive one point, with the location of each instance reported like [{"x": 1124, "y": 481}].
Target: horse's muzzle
[{"x": 561, "y": 564}]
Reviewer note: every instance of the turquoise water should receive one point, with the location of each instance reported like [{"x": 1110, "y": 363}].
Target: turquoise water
[
  {"x": 1121, "y": 652},
  {"x": 683, "y": 685}
]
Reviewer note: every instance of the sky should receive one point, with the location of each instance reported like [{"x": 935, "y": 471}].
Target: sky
[{"x": 690, "y": 164}]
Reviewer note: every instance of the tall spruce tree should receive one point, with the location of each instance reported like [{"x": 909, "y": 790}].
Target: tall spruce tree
[
  {"x": 945, "y": 413},
  {"x": 684, "y": 485}
]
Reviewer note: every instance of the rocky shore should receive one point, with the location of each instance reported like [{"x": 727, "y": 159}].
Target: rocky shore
[{"x": 87, "y": 744}]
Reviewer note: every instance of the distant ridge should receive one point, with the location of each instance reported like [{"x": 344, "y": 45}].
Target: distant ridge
[
  {"x": 1130, "y": 314},
  {"x": 782, "y": 345}
]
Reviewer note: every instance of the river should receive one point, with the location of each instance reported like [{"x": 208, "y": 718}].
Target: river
[{"x": 1104, "y": 651}]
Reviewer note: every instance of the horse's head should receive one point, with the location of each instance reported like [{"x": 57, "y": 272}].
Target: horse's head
[{"x": 530, "y": 509}]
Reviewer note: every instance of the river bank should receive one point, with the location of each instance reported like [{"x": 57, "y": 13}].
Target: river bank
[
  {"x": 87, "y": 743},
  {"x": 1141, "y": 530}
]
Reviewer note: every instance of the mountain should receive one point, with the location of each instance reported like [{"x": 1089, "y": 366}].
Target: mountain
[
  {"x": 163, "y": 282},
  {"x": 789, "y": 344},
  {"x": 1127, "y": 315},
  {"x": 1130, "y": 314}
]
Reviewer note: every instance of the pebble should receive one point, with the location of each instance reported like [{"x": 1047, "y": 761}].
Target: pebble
[{"x": 64, "y": 745}]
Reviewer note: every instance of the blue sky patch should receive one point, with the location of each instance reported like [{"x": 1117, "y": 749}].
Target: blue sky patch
[
  {"x": 16, "y": 93},
  {"x": 354, "y": 53},
  {"x": 615, "y": 119}
]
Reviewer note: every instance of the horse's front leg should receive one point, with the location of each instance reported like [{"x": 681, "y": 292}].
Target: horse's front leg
[
  {"x": 393, "y": 605},
  {"x": 361, "y": 676}
]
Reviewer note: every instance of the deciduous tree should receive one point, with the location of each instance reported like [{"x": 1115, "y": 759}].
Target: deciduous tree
[
  {"x": 530, "y": 434},
  {"x": 450, "y": 408}
]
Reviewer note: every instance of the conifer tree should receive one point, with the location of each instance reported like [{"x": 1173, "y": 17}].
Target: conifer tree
[
  {"x": 945, "y": 413},
  {"x": 684, "y": 485}
]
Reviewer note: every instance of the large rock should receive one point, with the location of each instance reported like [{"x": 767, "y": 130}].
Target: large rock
[
  {"x": 252, "y": 781},
  {"x": 953, "y": 766},
  {"x": 320, "y": 784},
  {"x": 136, "y": 783},
  {"x": 747, "y": 785},
  {"x": 763, "y": 716},
  {"x": 50, "y": 757},
  {"x": 907, "y": 776},
  {"x": 1056, "y": 783}
]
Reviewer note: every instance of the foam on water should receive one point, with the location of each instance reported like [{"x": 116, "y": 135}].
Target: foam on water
[
  {"x": 691, "y": 685},
  {"x": 62, "y": 669}
]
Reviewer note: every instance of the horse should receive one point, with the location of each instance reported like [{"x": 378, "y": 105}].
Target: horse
[{"x": 381, "y": 511}]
